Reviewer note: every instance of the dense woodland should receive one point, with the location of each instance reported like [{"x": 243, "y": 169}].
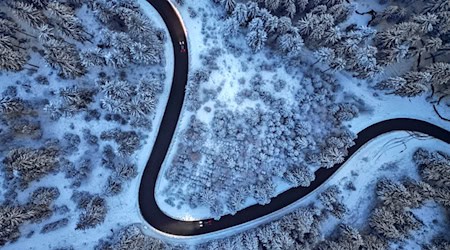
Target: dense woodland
[{"x": 81, "y": 81}]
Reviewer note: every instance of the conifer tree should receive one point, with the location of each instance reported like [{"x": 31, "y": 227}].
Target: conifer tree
[{"x": 28, "y": 13}]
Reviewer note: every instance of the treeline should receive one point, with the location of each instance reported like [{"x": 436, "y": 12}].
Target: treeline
[{"x": 291, "y": 25}]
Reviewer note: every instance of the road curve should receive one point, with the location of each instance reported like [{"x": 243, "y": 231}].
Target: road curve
[{"x": 147, "y": 203}]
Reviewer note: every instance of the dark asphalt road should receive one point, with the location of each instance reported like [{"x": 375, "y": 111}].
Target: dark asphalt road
[{"x": 147, "y": 203}]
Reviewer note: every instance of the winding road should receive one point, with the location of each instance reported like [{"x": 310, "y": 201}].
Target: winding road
[{"x": 147, "y": 202}]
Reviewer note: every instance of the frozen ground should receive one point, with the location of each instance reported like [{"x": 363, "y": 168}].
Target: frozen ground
[{"x": 122, "y": 209}]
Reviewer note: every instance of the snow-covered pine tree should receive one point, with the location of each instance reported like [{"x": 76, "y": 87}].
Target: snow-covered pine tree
[
  {"x": 331, "y": 36},
  {"x": 240, "y": 13},
  {"x": 257, "y": 37},
  {"x": 301, "y": 4},
  {"x": 411, "y": 84},
  {"x": 270, "y": 24},
  {"x": 436, "y": 6},
  {"x": 143, "y": 54},
  {"x": 67, "y": 21},
  {"x": 426, "y": 22},
  {"x": 32, "y": 164},
  {"x": 113, "y": 186},
  {"x": 12, "y": 60},
  {"x": 299, "y": 176},
  {"x": 252, "y": 10},
  {"x": 290, "y": 8},
  {"x": 272, "y": 5},
  {"x": 284, "y": 25},
  {"x": 338, "y": 64},
  {"x": 394, "y": 14},
  {"x": 11, "y": 106},
  {"x": 28, "y": 13},
  {"x": 341, "y": 12},
  {"x": 11, "y": 218},
  {"x": 291, "y": 42},
  {"x": 229, "y": 5},
  {"x": 230, "y": 28},
  {"x": 8, "y": 27},
  {"x": 40, "y": 3},
  {"x": 93, "y": 57},
  {"x": 44, "y": 196},
  {"x": 46, "y": 34},
  {"x": 440, "y": 76},
  {"x": 250, "y": 240},
  {"x": 64, "y": 56},
  {"x": 324, "y": 55},
  {"x": 93, "y": 214},
  {"x": 306, "y": 24}
]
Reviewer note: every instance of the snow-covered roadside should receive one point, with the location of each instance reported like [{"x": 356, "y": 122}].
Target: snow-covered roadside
[
  {"x": 226, "y": 78},
  {"x": 122, "y": 209},
  {"x": 363, "y": 169},
  {"x": 387, "y": 156},
  {"x": 388, "y": 106},
  {"x": 196, "y": 45}
]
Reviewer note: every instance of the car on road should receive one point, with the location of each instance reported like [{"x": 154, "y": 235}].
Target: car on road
[
  {"x": 182, "y": 46},
  {"x": 205, "y": 223}
]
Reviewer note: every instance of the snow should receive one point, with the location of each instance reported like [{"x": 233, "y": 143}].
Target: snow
[
  {"x": 387, "y": 156},
  {"x": 390, "y": 156},
  {"x": 233, "y": 67},
  {"x": 370, "y": 163},
  {"x": 122, "y": 209}
]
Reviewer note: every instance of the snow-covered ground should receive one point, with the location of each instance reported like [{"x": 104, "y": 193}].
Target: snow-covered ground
[
  {"x": 379, "y": 107},
  {"x": 390, "y": 156},
  {"x": 122, "y": 209},
  {"x": 232, "y": 69}
]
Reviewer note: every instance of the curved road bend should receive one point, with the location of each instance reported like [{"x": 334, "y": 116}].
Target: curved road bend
[{"x": 148, "y": 206}]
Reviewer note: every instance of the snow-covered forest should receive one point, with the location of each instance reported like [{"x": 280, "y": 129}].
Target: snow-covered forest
[
  {"x": 276, "y": 90},
  {"x": 82, "y": 86},
  {"x": 404, "y": 210},
  {"x": 262, "y": 129},
  {"x": 254, "y": 127}
]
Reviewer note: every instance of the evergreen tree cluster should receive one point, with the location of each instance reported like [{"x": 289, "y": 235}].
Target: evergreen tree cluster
[
  {"x": 131, "y": 37},
  {"x": 131, "y": 238},
  {"x": 297, "y": 230},
  {"x": 391, "y": 222},
  {"x": 52, "y": 24},
  {"x": 37, "y": 208},
  {"x": 25, "y": 165},
  {"x": 135, "y": 101},
  {"x": 93, "y": 209},
  {"x": 58, "y": 33},
  {"x": 398, "y": 35}
]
